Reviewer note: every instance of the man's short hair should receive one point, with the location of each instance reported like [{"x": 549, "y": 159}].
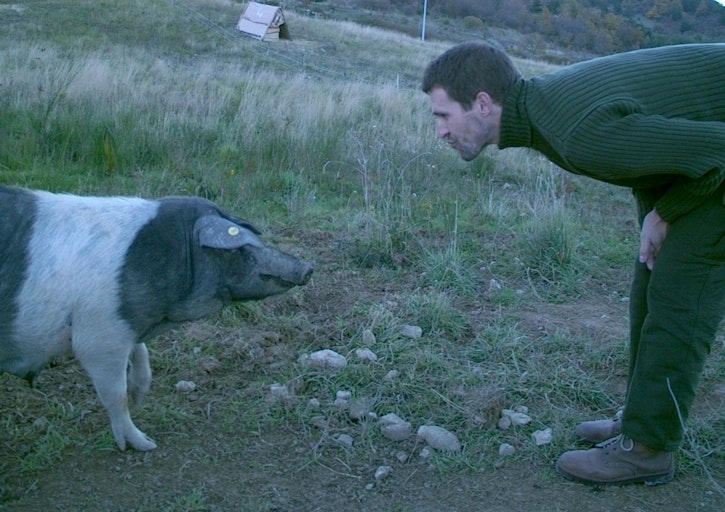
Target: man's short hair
[{"x": 469, "y": 68}]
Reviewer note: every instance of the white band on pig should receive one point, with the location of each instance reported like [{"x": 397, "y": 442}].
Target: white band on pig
[{"x": 219, "y": 233}]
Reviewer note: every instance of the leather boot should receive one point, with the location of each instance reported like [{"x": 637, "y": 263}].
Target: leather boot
[
  {"x": 599, "y": 431},
  {"x": 618, "y": 461}
]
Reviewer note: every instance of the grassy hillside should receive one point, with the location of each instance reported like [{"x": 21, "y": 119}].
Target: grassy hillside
[{"x": 556, "y": 30}]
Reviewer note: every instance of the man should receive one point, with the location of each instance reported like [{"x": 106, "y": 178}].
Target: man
[{"x": 654, "y": 121}]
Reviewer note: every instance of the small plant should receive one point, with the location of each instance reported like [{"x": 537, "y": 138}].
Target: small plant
[
  {"x": 472, "y": 23},
  {"x": 549, "y": 245},
  {"x": 437, "y": 315},
  {"x": 195, "y": 501},
  {"x": 448, "y": 270}
]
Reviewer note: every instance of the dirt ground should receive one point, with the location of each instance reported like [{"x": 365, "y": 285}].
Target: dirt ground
[
  {"x": 201, "y": 466},
  {"x": 267, "y": 474}
]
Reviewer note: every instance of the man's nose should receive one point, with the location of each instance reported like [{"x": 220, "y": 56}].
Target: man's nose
[{"x": 442, "y": 129}]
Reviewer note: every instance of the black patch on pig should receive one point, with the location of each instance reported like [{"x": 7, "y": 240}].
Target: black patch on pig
[
  {"x": 166, "y": 275},
  {"x": 18, "y": 211}
]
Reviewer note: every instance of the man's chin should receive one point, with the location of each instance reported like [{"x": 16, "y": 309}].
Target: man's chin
[{"x": 467, "y": 157}]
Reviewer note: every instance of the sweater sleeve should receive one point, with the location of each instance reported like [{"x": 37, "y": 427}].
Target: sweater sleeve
[
  {"x": 686, "y": 193},
  {"x": 620, "y": 145}
]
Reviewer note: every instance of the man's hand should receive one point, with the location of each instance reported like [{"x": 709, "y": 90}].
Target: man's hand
[{"x": 654, "y": 231}]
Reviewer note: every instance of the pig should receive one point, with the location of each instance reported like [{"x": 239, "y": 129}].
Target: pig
[{"x": 97, "y": 277}]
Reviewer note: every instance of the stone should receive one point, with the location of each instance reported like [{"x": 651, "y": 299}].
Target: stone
[
  {"x": 324, "y": 359},
  {"x": 365, "y": 354},
  {"x": 542, "y": 437},
  {"x": 368, "y": 338},
  {"x": 185, "y": 386},
  {"x": 506, "y": 449},
  {"x": 412, "y": 331},
  {"x": 439, "y": 438}
]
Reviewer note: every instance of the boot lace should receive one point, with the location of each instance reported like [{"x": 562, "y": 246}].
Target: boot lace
[{"x": 626, "y": 443}]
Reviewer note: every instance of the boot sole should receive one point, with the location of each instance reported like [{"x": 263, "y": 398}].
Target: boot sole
[{"x": 648, "y": 481}]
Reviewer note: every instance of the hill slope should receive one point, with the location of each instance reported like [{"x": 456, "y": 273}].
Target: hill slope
[{"x": 577, "y": 27}]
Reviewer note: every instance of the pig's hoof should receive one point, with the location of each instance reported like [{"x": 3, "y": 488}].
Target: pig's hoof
[
  {"x": 143, "y": 445},
  {"x": 141, "y": 442}
]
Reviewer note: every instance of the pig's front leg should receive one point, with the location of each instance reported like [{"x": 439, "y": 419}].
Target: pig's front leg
[{"x": 106, "y": 362}]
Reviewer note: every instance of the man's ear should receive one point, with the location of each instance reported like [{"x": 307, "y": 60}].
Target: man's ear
[{"x": 483, "y": 103}]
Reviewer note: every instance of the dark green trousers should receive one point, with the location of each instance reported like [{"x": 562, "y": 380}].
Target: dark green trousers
[{"x": 675, "y": 312}]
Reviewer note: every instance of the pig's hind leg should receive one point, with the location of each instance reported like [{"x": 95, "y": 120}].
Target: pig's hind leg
[
  {"x": 139, "y": 373},
  {"x": 105, "y": 357}
]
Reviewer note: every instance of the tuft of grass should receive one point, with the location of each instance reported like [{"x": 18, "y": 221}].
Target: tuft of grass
[
  {"x": 194, "y": 501},
  {"x": 549, "y": 248},
  {"x": 448, "y": 270},
  {"x": 436, "y": 314}
]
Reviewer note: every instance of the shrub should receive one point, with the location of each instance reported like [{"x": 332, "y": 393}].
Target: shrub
[{"x": 472, "y": 23}]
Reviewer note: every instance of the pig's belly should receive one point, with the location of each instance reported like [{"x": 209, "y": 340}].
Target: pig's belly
[{"x": 25, "y": 355}]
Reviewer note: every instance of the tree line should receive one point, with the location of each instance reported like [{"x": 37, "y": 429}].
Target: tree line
[{"x": 595, "y": 26}]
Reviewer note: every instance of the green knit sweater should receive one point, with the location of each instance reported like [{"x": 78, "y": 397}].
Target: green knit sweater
[{"x": 652, "y": 120}]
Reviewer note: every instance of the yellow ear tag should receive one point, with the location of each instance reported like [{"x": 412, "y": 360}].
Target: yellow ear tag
[{"x": 233, "y": 231}]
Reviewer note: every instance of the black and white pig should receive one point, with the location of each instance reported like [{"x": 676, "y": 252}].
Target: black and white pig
[{"x": 98, "y": 276}]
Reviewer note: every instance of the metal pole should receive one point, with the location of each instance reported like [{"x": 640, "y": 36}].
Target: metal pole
[{"x": 425, "y": 11}]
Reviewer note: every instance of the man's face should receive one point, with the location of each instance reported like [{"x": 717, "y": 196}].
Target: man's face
[{"x": 468, "y": 132}]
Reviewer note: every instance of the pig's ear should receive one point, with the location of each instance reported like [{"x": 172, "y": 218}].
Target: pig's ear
[
  {"x": 220, "y": 233},
  {"x": 241, "y": 222}
]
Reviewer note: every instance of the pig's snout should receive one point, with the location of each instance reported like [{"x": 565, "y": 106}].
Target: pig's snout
[
  {"x": 296, "y": 274},
  {"x": 280, "y": 271},
  {"x": 306, "y": 273}
]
